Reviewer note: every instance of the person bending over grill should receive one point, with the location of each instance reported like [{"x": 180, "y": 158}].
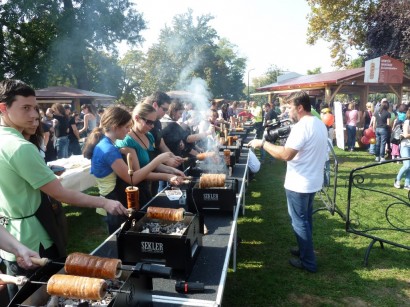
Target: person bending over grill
[{"x": 305, "y": 150}]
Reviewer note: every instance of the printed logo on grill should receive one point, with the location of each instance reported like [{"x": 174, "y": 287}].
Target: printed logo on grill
[
  {"x": 152, "y": 247},
  {"x": 210, "y": 197}
]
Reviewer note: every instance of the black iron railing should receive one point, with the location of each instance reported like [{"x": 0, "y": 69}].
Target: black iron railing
[{"x": 381, "y": 220}]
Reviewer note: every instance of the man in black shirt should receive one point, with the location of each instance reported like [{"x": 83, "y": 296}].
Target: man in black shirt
[{"x": 161, "y": 101}]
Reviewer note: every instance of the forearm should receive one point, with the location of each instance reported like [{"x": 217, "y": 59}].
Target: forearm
[
  {"x": 276, "y": 151},
  {"x": 162, "y": 168},
  {"x": 71, "y": 197},
  {"x": 8, "y": 242},
  {"x": 159, "y": 176}
]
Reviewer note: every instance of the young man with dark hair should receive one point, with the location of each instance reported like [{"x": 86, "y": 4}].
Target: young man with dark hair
[
  {"x": 161, "y": 101},
  {"x": 305, "y": 151},
  {"x": 24, "y": 173}
]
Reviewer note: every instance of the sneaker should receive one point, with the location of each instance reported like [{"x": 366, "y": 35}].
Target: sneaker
[
  {"x": 295, "y": 251},
  {"x": 377, "y": 159},
  {"x": 382, "y": 159},
  {"x": 407, "y": 187},
  {"x": 397, "y": 184}
]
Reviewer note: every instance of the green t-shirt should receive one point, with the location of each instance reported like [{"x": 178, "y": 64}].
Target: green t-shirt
[
  {"x": 23, "y": 172},
  {"x": 142, "y": 153}
]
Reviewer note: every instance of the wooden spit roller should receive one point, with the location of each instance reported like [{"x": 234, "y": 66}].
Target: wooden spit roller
[
  {"x": 212, "y": 181},
  {"x": 168, "y": 214},
  {"x": 78, "y": 287},
  {"x": 133, "y": 197},
  {"x": 92, "y": 266}
]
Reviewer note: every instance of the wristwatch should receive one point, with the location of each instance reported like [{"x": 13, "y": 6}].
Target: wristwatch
[{"x": 263, "y": 143}]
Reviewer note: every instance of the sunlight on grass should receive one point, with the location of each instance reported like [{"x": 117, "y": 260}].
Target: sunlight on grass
[
  {"x": 253, "y": 242},
  {"x": 251, "y": 265},
  {"x": 256, "y": 194},
  {"x": 254, "y": 207},
  {"x": 255, "y": 219}
]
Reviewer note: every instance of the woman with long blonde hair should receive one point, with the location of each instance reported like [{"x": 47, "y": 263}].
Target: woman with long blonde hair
[{"x": 142, "y": 142}]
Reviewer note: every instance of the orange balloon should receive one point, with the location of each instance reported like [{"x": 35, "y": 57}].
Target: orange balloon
[
  {"x": 328, "y": 119},
  {"x": 372, "y": 141}
]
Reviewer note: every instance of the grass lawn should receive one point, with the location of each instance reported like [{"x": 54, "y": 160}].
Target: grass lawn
[{"x": 264, "y": 277}]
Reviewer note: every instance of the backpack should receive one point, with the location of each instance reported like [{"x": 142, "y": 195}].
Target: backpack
[{"x": 395, "y": 137}]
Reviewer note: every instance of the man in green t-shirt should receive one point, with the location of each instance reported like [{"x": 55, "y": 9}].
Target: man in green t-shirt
[{"x": 24, "y": 173}]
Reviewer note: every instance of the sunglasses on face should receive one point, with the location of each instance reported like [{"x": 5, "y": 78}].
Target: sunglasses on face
[{"x": 148, "y": 121}]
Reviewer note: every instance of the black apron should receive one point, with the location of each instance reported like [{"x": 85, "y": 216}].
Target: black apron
[{"x": 52, "y": 217}]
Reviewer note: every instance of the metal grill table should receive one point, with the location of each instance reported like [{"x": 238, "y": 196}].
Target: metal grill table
[{"x": 219, "y": 245}]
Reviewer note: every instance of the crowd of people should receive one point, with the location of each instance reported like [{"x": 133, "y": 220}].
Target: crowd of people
[
  {"x": 384, "y": 120},
  {"x": 157, "y": 135},
  {"x": 63, "y": 128}
]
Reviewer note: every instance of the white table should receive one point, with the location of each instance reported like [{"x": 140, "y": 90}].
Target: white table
[{"x": 77, "y": 174}]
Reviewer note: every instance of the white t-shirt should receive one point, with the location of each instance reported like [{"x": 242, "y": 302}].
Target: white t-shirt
[{"x": 305, "y": 171}]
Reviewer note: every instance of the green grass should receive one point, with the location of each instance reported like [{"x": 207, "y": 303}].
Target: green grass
[
  {"x": 264, "y": 277},
  {"x": 87, "y": 229}
]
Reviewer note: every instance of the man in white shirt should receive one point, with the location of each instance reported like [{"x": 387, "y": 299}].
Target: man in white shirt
[{"x": 305, "y": 151}]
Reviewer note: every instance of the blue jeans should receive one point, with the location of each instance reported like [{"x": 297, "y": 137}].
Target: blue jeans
[
  {"x": 300, "y": 209},
  {"x": 381, "y": 141},
  {"x": 62, "y": 147},
  {"x": 351, "y": 136},
  {"x": 404, "y": 153}
]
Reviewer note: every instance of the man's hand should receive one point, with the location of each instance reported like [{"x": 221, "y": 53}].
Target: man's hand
[
  {"x": 114, "y": 207},
  {"x": 256, "y": 143}
]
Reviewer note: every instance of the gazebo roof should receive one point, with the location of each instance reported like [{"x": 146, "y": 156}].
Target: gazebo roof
[{"x": 62, "y": 92}]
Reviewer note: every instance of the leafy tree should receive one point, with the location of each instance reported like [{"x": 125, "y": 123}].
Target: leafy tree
[
  {"x": 315, "y": 71},
  {"x": 65, "y": 41},
  {"x": 343, "y": 23},
  {"x": 355, "y": 63},
  {"x": 192, "y": 49},
  {"x": 133, "y": 77},
  {"x": 388, "y": 31}
]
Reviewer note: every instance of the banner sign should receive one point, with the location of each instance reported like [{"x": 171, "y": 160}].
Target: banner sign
[{"x": 383, "y": 69}]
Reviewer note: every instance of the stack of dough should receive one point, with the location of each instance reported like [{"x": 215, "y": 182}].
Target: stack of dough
[
  {"x": 92, "y": 266},
  {"x": 79, "y": 287},
  {"x": 167, "y": 214},
  {"x": 212, "y": 181}
]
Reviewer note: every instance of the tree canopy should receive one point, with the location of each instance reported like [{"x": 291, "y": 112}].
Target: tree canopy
[
  {"x": 66, "y": 41},
  {"x": 190, "y": 49},
  {"x": 342, "y": 23},
  {"x": 373, "y": 27},
  {"x": 389, "y": 31}
]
